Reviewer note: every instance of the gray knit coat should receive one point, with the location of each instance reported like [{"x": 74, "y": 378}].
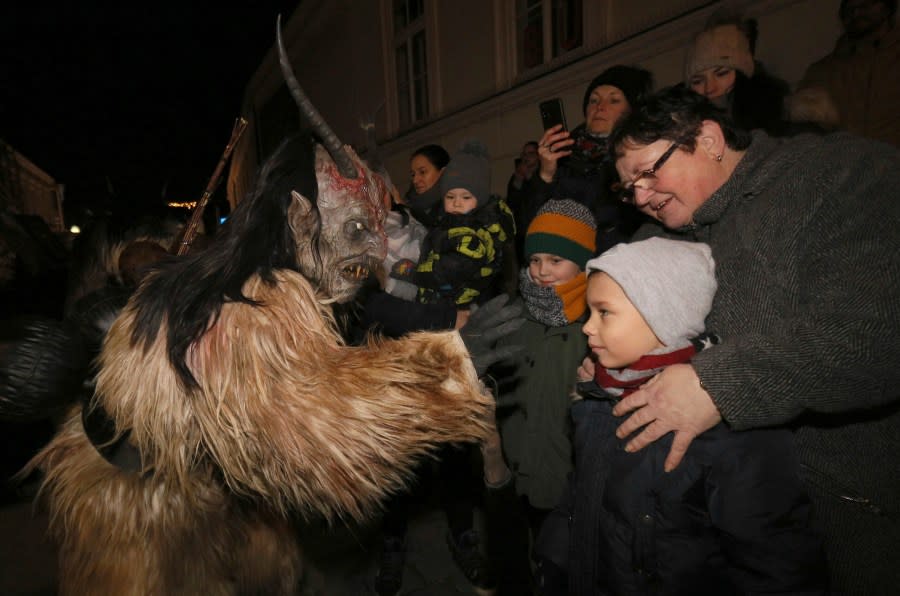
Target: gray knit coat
[{"x": 806, "y": 238}]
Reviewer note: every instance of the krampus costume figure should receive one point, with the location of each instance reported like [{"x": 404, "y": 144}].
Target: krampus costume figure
[{"x": 226, "y": 379}]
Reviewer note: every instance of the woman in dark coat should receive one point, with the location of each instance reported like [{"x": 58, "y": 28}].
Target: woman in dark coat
[{"x": 576, "y": 165}]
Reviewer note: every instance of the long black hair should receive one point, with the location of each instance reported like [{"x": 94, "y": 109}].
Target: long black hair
[
  {"x": 256, "y": 239},
  {"x": 435, "y": 154}
]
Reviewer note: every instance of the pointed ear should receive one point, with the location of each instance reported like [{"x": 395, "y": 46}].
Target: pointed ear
[
  {"x": 301, "y": 213},
  {"x": 711, "y": 140},
  {"x": 300, "y": 205}
]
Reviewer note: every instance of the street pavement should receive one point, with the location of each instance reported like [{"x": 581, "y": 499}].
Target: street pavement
[{"x": 343, "y": 560}]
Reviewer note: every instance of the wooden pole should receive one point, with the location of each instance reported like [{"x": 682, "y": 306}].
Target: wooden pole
[{"x": 182, "y": 247}]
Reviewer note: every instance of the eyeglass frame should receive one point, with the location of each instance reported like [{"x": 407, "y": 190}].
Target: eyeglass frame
[{"x": 627, "y": 190}]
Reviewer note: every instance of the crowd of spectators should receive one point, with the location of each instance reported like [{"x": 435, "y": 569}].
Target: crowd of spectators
[
  {"x": 766, "y": 459},
  {"x": 704, "y": 398}
]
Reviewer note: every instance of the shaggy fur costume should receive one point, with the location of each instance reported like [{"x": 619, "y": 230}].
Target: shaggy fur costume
[
  {"x": 286, "y": 418},
  {"x": 228, "y": 376}
]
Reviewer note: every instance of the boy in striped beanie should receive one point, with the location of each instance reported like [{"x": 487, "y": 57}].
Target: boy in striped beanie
[
  {"x": 559, "y": 241},
  {"x": 533, "y": 400}
]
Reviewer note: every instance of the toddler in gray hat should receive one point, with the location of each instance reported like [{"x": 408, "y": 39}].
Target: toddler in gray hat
[
  {"x": 732, "y": 518},
  {"x": 462, "y": 256}
]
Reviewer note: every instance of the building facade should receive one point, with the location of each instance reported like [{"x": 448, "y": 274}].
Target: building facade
[
  {"x": 441, "y": 71},
  {"x": 25, "y": 189}
]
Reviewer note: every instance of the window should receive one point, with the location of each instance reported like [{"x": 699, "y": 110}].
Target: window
[
  {"x": 410, "y": 60},
  {"x": 547, "y": 29}
]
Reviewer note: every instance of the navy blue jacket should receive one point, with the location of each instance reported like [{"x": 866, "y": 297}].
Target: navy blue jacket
[{"x": 731, "y": 519}]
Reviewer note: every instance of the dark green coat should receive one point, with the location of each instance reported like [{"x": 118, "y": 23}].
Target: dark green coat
[{"x": 533, "y": 409}]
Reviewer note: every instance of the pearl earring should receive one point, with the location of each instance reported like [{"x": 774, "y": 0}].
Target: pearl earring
[{"x": 719, "y": 157}]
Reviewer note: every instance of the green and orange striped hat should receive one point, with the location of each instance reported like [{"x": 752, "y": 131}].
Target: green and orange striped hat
[{"x": 564, "y": 228}]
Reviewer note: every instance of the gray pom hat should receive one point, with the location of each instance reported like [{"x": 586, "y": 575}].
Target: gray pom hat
[
  {"x": 670, "y": 282},
  {"x": 469, "y": 168}
]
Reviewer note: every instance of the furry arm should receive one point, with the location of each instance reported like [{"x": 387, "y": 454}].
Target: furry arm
[{"x": 288, "y": 414}]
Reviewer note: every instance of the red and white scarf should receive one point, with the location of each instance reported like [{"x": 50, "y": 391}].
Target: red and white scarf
[{"x": 622, "y": 381}]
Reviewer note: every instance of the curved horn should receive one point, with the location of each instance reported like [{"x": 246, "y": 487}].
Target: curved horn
[{"x": 332, "y": 143}]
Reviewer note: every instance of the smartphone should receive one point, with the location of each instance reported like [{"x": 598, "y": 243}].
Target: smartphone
[{"x": 552, "y": 113}]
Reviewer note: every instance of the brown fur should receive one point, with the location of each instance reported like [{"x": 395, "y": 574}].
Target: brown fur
[
  {"x": 286, "y": 419},
  {"x": 136, "y": 258}
]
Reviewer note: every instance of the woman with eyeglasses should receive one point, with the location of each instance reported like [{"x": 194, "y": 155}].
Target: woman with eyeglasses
[
  {"x": 576, "y": 164},
  {"x": 805, "y": 233}
]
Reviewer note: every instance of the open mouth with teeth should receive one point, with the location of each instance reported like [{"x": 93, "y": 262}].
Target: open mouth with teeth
[
  {"x": 355, "y": 272},
  {"x": 661, "y": 204}
]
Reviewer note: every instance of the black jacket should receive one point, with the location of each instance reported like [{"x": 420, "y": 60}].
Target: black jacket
[
  {"x": 731, "y": 519},
  {"x": 395, "y": 317}
]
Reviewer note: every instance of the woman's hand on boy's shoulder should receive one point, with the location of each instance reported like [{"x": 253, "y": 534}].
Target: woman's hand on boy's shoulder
[{"x": 672, "y": 401}]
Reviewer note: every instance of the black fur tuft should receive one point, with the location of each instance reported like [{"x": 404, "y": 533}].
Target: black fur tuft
[{"x": 188, "y": 294}]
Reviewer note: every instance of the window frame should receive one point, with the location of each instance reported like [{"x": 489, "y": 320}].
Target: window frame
[
  {"x": 551, "y": 50},
  {"x": 415, "y": 104}
]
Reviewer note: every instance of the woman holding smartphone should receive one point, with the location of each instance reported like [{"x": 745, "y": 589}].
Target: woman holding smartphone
[{"x": 576, "y": 164}]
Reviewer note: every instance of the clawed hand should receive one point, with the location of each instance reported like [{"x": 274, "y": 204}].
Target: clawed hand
[{"x": 487, "y": 324}]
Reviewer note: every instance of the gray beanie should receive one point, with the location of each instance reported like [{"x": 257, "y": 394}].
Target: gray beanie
[
  {"x": 469, "y": 168},
  {"x": 670, "y": 282}
]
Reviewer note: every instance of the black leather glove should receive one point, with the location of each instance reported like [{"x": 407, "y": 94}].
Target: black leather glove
[{"x": 488, "y": 323}]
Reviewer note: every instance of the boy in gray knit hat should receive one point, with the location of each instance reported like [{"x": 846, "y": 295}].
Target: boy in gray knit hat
[
  {"x": 732, "y": 518},
  {"x": 664, "y": 289}
]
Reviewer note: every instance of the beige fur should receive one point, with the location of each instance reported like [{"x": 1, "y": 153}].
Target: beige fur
[
  {"x": 287, "y": 419},
  {"x": 814, "y": 105}
]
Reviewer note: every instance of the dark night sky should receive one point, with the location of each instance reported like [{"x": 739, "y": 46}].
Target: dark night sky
[{"x": 142, "y": 93}]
